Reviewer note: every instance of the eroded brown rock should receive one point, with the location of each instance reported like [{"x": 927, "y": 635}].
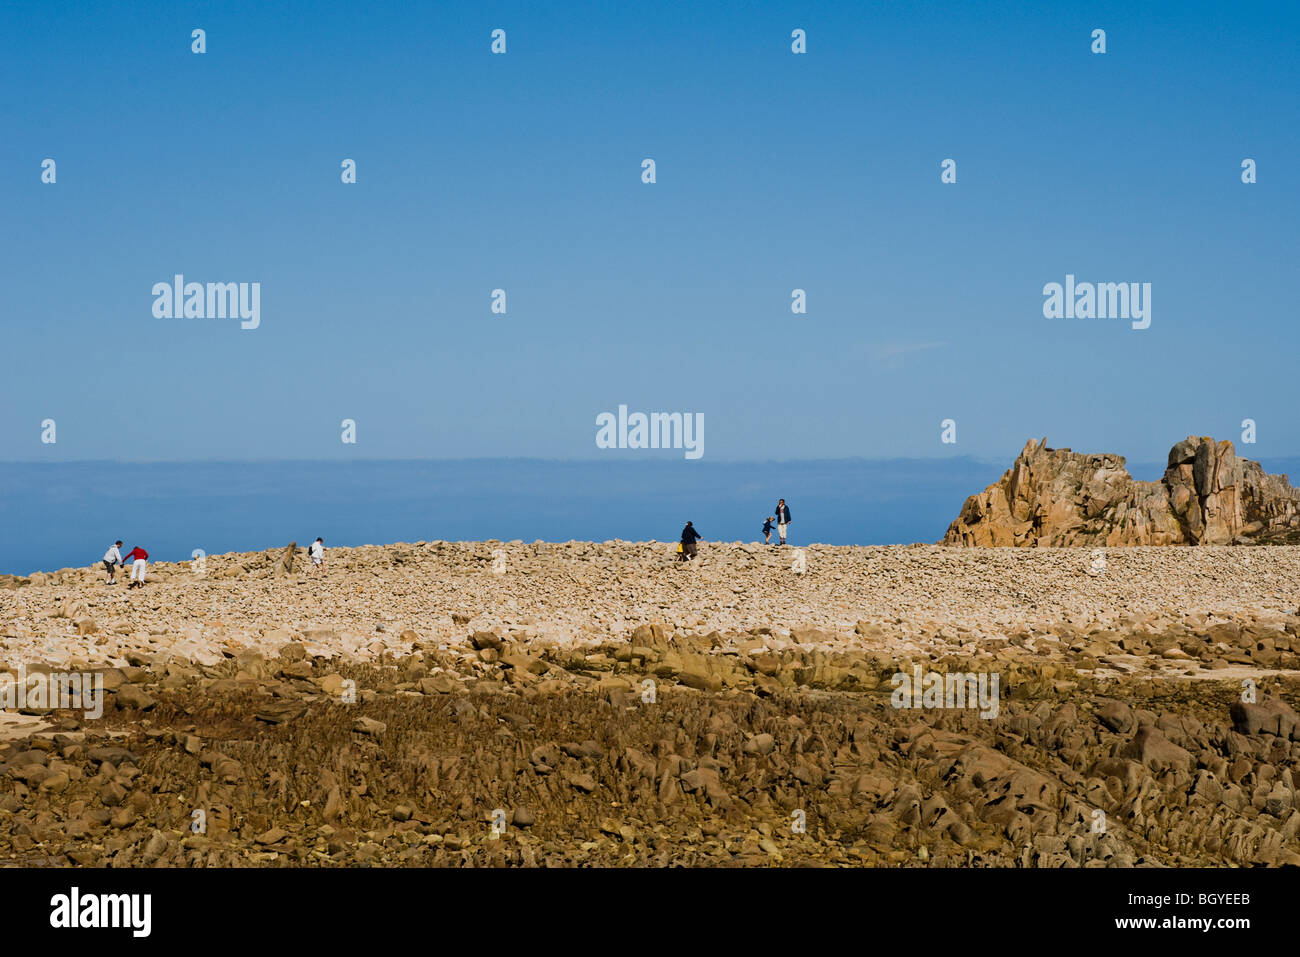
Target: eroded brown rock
[{"x": 1055, "y": 497}]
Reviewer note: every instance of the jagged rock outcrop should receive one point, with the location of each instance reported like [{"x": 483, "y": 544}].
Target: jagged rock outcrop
[
  {"x": 285, "y": 565},
  {"x": 1055, "y": 497}
]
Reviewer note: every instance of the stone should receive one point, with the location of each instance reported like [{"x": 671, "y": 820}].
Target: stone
[
  {"x": 278, "y": 712},
  {"x": 55, "y": 781},
  {"x": 333, "y": 805},
  {"x": 1151, "y": 748},
  {"x": 1267, "y": 715},
  {"x": 284, "y": 564},
  {"x": 709, "y": 781},
  {"x": 1055, "y": 497},
  {"x": 370, "y": 726},
  {"x": 580, "y": 781},
  {"x": 523, "y": 817},
  {"x": 272, "y": 836},
  {"x": 331, "y": 684},
  {"x": 133, "y": 696},
  {"x": 155, "y": 847},
  {"x": 1116, "y": 716},
  {"x": 696, "y": 677},
  {"x": 441, "y": 683},
  {"x": 297, "y": 669}
]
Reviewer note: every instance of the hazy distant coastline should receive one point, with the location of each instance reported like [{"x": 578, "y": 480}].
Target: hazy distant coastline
[{"x": 65, "y": 514}]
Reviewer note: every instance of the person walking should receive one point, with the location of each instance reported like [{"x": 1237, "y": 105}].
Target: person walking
[
  {"x": 317, "y": 553},
  {"x": 112, "y": 558},
  {"x": 689, "y": 537},
  {"x": 782, "y": 519},
  {"x": 139, "y": 558},
  {"x": 767, "y": 531}
]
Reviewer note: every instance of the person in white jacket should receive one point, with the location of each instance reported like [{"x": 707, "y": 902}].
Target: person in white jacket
[
  {"x": 112, "y": 558},
  {"x": 317, "y": 553}
]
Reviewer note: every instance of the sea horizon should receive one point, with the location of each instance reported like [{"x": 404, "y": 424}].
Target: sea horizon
[{"x": 65, "y": 514}]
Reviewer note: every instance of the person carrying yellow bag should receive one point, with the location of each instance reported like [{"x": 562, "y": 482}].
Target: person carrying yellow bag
[{"x": 686, "y": 547}]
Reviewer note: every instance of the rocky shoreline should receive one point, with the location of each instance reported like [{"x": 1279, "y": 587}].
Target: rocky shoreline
[
  {"x": 909, "y": 596},
  {"x": 599, "y": 704}
]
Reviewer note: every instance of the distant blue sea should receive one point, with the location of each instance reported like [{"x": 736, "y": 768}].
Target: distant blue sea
[{"x": 66, "y": 514}]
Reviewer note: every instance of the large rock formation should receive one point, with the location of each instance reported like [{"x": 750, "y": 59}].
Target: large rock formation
[{"x": 1208, "y": 496}]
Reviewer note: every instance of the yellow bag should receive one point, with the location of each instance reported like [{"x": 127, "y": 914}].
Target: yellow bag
[{"x": 679, "y": 548}]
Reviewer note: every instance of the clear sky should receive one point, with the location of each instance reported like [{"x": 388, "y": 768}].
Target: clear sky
[{"x": 522, "y": 171}]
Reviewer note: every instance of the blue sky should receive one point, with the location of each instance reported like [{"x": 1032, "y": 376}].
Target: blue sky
[{"x": 775, "y": 171}]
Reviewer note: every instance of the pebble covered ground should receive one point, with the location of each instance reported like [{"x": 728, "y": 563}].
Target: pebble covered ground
[
  {"x": 579, "y": 591},
  {"x": 599, "y": 703}
]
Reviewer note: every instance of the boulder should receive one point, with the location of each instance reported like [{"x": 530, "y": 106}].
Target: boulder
[
  {"x": 1266, "y": 716},
  {"x": 284, "y": 564},
  {"x": 1151, "y": 748},
  {"x": 1055, "y": 497}
]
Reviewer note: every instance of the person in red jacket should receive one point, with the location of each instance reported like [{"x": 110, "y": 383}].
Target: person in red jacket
[{"x": 138, "y": 558}]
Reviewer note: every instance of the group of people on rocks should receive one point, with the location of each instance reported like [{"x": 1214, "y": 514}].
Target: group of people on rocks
[
  {"x": 687, "y": 549},
  {"x": 138, "y": 559}
]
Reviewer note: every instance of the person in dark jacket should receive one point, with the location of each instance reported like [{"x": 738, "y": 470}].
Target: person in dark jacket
[
  {"x": 689, "y": 537},
  {"x": 782, "y": 519}
]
